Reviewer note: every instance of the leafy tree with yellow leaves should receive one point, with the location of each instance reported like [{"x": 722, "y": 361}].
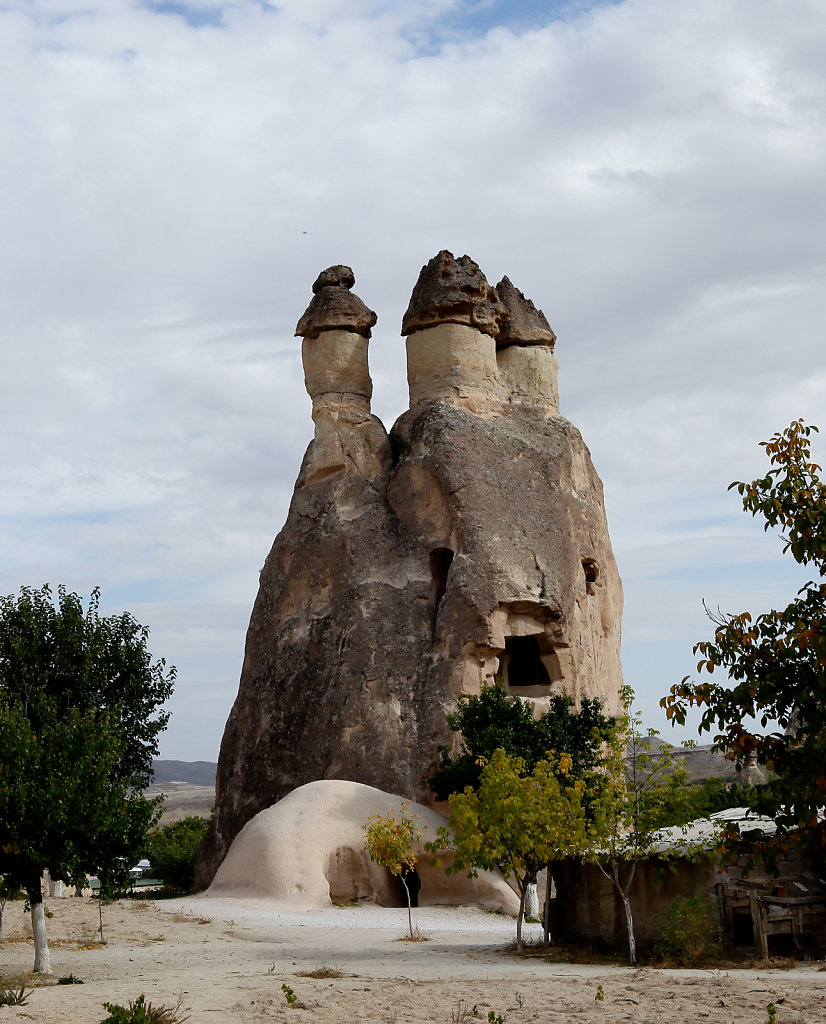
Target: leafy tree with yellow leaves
[
  {"x": 390, "y": 840},
  {"x": 515, "y": 821}
]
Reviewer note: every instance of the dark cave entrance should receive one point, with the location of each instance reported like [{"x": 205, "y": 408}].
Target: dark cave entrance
[
  {"x": 591, "y": 571},
  {"x": 441, "y": 560},
  {"x": 524, "y": 663},
  {"x": 396, "y": 893}
]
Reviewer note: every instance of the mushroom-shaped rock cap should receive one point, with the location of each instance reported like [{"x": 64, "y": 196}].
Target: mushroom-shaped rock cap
[
  {"x": 451, "y": 291},
  {"x": 334, "y": 307},
  {"x": 523, "y": 323}
]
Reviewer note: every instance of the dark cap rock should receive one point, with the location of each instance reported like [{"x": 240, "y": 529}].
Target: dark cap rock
[
  {"x": 334, "y": 307},
  {"x": 522, "y": 323},
  {"x": 452, "y": 291}
]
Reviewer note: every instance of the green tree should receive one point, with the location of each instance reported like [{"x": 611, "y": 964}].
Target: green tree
[
  {"x": 635, "y": 792},
  {"x": 171, "y": 851},
  {"x": 62, "y": 806},
  {"x": 692, "y": 929},
  {"x": 80, "y": 659},
  {"x": 389, "y": 840},
  {"x": 515, "y": 821},
  {"x": 79, "y": 695},
  {"x": 775, "y": 663},
  {"x": 702, "y": 799},
  {"x": 494, "y": 720}
]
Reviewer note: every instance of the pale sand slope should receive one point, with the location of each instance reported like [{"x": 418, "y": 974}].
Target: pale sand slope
[{"x": 231, "y": 969}]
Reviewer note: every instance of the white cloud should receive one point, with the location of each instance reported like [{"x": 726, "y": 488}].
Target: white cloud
[{"x": 650, "y": 173}]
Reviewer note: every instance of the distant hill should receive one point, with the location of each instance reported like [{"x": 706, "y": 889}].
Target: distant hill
[
  {"x": 189, "y": 786},
  {"x": 701, "y": 762},
  {"x": 196, "y": 773}
]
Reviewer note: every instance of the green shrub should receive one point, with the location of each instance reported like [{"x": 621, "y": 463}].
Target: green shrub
[
  {"x": 11, "y": 996},
  {"x": 171, "y": 851},
  {"x": 692, "y": 929},
  {"x": 141, "y": 1012}
]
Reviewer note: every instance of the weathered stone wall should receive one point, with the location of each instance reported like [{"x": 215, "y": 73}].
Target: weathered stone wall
[
  {"x": 587, "y": 908},
  {"x": 412, "y": 568}
]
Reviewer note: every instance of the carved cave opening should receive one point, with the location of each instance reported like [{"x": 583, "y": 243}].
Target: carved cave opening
[
  {"x": 591, "y": 570},
  {"x": 524, "y": 665},
  {"x": 441, "y": 560},
  {"x": 351, "y": 876},
  {"x": 397, "y": 897}
]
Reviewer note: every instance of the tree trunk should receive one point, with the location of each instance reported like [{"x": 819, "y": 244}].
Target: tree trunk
[
  {"x": 546, "y": 913},
  {"x": 2, "y": 913},
  {"x": 629, "y": 921},
  {"x": 523, "y": 888},
  {"x": 409, "y": 910},
  {"x": 626, "y": 902},
  {"x": 42, "y": 961},
  {"x": 614, "y": 878}
]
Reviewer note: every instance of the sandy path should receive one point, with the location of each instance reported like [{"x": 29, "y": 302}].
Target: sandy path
[{"x": 231, "y": 968}]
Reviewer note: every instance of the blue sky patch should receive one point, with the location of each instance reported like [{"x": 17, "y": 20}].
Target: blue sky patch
[
  {"x": 477, "y": 17},
  {"x": 195, "y": 15}
]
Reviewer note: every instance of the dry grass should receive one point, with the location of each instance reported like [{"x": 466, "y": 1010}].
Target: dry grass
[
  {"x": 415, "y": 936},
  {"x": 462, "y": 1013},
  {"x": 186, "y": 917},
  {"x": 322, "y": 971},
  {"x": 32, "y": 980},
  {"x": 775, "y": 963}
]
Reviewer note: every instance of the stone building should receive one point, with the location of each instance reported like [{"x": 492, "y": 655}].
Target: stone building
[{"x": 467, "y": 544}]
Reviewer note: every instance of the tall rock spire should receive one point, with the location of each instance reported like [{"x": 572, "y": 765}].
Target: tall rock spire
[
  {"x": 469, "y": 548},
  {"x": 336, "y": 327}
]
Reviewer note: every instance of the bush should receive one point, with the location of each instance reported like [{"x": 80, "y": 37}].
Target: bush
[
  {"x": 141, "y": 1012},
  {"x": 692, "y": 929},
  {"x": 171, "y": 851},
  {"x": 11, "y": 996}
]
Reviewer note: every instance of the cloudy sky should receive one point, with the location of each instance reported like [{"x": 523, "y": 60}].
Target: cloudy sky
[{"x": 173, "y": 175}]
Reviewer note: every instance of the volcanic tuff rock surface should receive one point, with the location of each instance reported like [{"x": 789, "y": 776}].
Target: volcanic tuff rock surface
[
  {"x": 471, "y": 543},
  {"x": 308, "y": 851}
]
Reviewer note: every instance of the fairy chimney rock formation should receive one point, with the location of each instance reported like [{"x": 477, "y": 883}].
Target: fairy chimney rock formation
[
  {"x": 336, "y": 327},
  {"x": 525, "y": 351},
  {"x": 469, "y": 545},
  {"x": 451, "y": 326}
]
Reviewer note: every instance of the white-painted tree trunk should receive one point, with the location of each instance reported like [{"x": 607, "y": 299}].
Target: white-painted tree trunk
[
  {"x": 42, "y": 961},
  {"x": 626, "y": 902},
  {"x": 532, "y": 902},
  {"x": 623, "y": 890}
]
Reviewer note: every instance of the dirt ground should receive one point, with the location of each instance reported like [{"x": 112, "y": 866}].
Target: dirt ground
[{"x": 229, "y": 958}]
